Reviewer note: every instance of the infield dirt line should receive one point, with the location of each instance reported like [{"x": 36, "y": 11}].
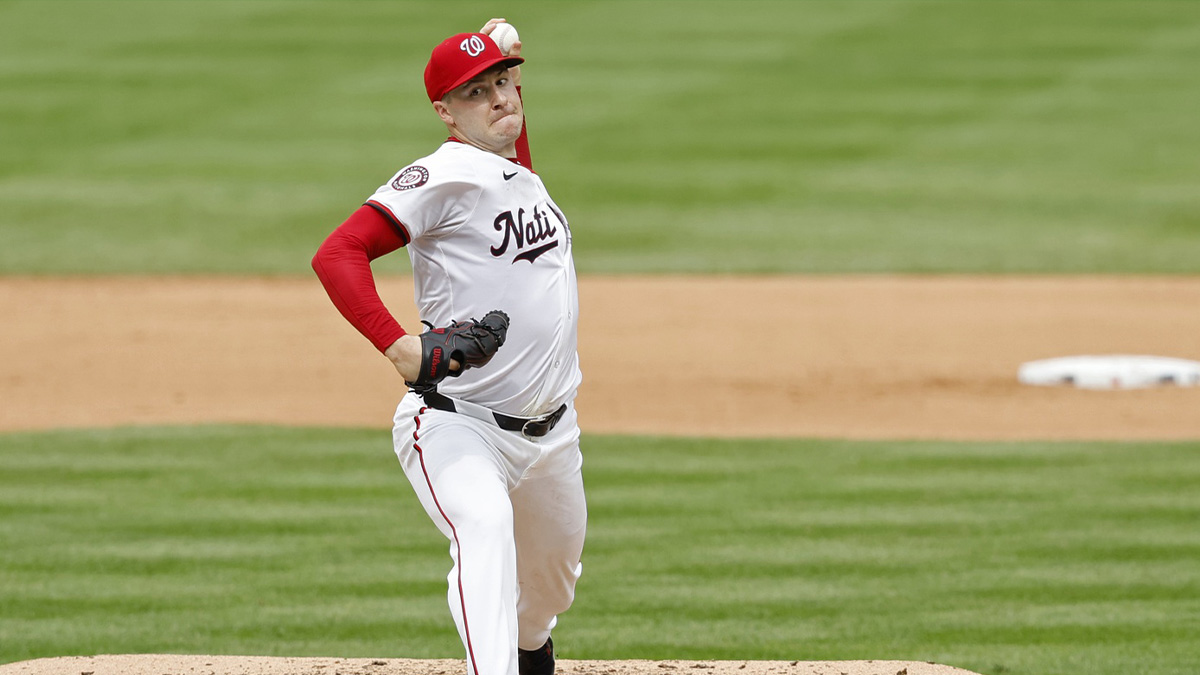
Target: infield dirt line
[{"x": 839, "y": 357}]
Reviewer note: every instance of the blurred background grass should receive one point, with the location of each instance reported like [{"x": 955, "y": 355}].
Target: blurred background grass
[{"x": 751, "y": 136}]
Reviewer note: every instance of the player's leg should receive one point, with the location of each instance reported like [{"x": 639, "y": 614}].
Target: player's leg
[
  {"x": 464, "y": 489},
  {"x": 550, "y": 523}
]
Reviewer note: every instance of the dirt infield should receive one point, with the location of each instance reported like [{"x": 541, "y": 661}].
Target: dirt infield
[{"x": 857, "y": 357}]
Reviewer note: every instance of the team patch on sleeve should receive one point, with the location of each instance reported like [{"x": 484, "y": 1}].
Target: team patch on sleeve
[{"x": 412, "y": 177}]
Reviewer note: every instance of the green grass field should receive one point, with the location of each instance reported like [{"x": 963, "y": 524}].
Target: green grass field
[
  {"x": 1002, "y": 558},
  {"x": 749, "y": 136},
  {"x": 889, "y": 136}
]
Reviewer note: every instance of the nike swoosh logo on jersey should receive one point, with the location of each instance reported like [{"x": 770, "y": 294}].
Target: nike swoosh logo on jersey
[{"x": 508, "y": 176}]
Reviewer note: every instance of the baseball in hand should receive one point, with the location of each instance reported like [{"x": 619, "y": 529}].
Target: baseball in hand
[{"x": 504, "y": 35}]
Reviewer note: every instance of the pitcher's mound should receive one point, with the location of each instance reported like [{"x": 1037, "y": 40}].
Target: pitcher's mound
[{"x": 162, "y": 664}]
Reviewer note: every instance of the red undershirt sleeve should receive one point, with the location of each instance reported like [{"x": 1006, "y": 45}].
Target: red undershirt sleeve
[
  {"x": 343, "y": 264},
  {"x": 523, "y": 156}
]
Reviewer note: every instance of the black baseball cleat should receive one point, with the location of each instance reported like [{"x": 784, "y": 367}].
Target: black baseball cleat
[{"x": 537, "y": 661}]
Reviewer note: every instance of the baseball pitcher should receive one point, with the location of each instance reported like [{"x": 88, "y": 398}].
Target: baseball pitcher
[{"x": 487, "y": 433}]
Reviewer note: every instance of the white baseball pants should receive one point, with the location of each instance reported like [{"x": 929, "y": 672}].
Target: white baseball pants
[{"x": 514, "y": 512}]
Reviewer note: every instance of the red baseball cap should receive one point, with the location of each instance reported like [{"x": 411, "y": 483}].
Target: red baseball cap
[{"x": 459, "y": 58}]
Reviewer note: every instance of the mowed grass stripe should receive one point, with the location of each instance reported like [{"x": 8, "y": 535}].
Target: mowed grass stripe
[
  {"x": 234, "y": 540},
  {"x": 1030, "y": 558},
  {"x": 722, "y": 136}
]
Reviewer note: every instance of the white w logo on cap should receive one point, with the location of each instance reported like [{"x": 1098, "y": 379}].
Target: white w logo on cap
[{"x": 473, "y": 45}]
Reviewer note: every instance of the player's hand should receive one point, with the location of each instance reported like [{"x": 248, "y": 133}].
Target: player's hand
[
  {"x": 405, "y": 355},
  {"x": 449, "y": 350},
  {"x": 491, "y": 25},
  {"x": 515, "y": 71}
]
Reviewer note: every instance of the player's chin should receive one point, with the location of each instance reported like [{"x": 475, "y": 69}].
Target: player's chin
[{"x": 507, "y": 127}]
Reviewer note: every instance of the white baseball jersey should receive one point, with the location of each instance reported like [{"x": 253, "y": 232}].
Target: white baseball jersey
[{"x": 485, "y": 234}]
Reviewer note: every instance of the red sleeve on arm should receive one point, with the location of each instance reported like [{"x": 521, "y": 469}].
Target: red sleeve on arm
[
  {"x": 523, "y": 156},
  {"x": 343, "y": 264}
]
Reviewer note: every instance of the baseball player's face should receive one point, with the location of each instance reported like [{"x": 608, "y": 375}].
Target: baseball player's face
[{"x": 485, "y": 112}]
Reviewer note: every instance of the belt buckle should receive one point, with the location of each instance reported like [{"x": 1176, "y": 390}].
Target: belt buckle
[{"x": 525, "y": 428}]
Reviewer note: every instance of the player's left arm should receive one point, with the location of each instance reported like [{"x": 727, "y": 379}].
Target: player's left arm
[{"x": 343, "y": 264}]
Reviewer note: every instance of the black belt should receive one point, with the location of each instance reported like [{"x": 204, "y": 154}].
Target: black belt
[{"x": 533, "y": 428}]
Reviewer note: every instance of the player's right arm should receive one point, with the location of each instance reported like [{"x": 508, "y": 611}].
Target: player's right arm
[
  {"x": 523, "y": 156},
  {"x": 343, "y": 264},
  {"x": 515, "y": 71}
]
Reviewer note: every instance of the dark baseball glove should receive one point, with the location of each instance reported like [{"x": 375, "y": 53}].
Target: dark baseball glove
[{"x": 472, "y": 343}]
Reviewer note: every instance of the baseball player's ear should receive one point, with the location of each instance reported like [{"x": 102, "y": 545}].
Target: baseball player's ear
[{"x": 443, "y": 112}]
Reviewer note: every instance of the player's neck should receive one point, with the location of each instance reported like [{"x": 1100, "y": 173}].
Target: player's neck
[{"x": 508, "y": 152}]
